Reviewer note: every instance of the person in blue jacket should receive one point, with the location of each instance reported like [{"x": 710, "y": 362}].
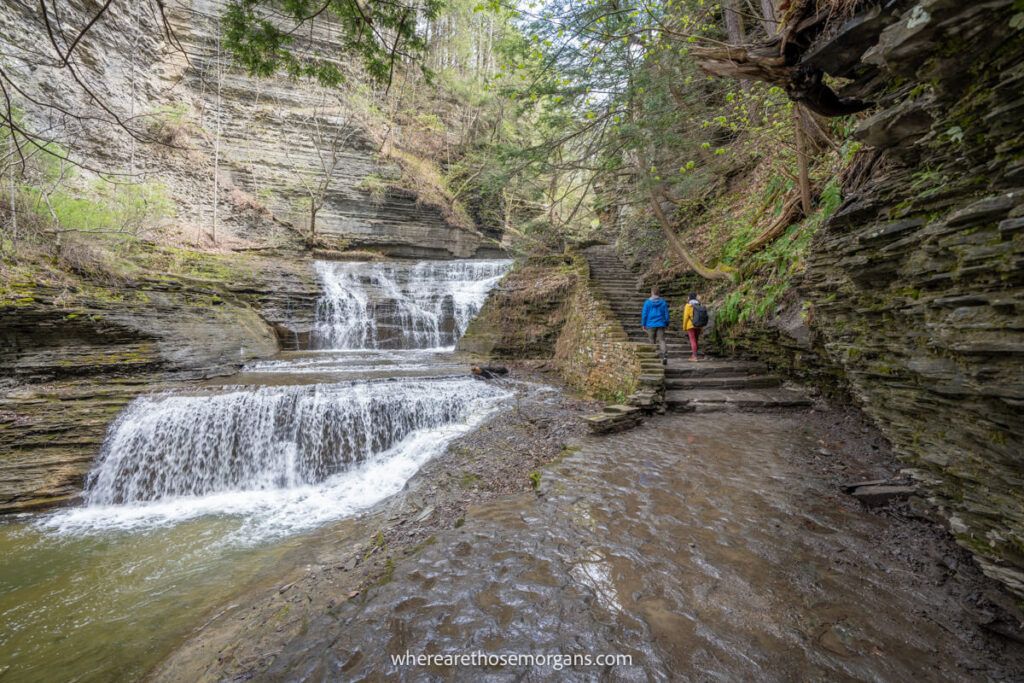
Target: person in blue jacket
[{"x": 654, "y": 320}]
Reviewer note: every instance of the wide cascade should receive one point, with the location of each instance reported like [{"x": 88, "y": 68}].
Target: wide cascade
[
  {"x": 270, "y": 438},
  {"x": 295, "y": 435}
]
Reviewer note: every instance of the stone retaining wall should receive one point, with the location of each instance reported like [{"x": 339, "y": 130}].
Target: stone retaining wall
[{"x": 593, "y": 353}]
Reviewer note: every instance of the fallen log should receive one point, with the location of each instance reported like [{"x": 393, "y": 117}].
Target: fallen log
[{"x": 488, "y": 371}]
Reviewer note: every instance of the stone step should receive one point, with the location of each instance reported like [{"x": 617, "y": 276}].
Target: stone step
[
  {"x": 713, "y": 367},
  {"x": 714, "y": 400},
  {"x": 674, "y": 341},
  {"x": 671, "y": 332},
  {"x": 723, "y": 382}
]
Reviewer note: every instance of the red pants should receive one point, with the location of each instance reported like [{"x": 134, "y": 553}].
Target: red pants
[{"x": 694, "y": 334}]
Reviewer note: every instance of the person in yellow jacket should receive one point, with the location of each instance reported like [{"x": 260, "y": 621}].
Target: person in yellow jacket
[{"x": 694, "y": 319}]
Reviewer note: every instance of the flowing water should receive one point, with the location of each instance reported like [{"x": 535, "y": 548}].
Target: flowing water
[
  {"x": 197, "y": 492},
  {"x": 400, "y": 306},
  {"x": 698, "y": 546}
]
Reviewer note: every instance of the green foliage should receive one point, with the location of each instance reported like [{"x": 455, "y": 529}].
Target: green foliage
[
  {"x": 118, "y": 208},
  {"x": 767, "y": 274},
  {"x": 535, "y": 480},
  {"x": 262, "y": 35},
  {"x": 376, "y": 186},
  {"x": 169, "y": 123},
  {"x": 173, "y": 114}
]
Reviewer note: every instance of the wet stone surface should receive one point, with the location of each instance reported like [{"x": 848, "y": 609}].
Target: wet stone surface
[{"x": 723, "y": 557}]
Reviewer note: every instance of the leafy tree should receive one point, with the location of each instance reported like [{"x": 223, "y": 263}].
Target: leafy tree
[{"x": 262, "y": 34}]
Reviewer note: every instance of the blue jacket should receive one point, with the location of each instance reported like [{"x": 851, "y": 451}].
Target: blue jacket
[{"x": 655, "y": 313}]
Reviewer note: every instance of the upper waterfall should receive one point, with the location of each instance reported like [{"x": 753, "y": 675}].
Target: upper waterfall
[{"x": 392, "y": 305}]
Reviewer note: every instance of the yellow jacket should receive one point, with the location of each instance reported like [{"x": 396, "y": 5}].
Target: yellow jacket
[{"x": 688, "y": 317}]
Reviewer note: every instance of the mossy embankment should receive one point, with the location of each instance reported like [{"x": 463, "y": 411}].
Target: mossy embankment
[{"x": 546, "y": 309}]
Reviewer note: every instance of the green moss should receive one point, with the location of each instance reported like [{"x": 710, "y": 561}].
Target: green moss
[{"x": 388, "y": 574}]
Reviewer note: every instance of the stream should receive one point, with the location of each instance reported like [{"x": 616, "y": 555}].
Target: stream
[
  {"x": 698, "y": 547},
  {"x": 199, "y": 492}
]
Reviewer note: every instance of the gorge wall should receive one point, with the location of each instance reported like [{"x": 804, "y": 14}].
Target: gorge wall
[
  {"x": 913, "y": 295},
  {"x": 236, "y": 154},
  {"x": 225, "y": 276}
]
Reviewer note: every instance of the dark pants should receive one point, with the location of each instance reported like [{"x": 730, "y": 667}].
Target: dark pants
[{"x": 657, "y": 335}]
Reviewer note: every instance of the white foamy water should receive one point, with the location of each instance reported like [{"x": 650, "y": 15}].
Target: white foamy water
[
  {"x": 357, "y": 360},
  {"x": 389, "y": 305},
  {"x": 288, "y": 458}
]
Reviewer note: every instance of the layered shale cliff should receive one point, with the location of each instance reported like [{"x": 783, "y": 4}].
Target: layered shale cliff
[
  {"x": 238, "y": 155},
  {"x": 913, "y": 295},
  {"x": 74, "y": 352}
]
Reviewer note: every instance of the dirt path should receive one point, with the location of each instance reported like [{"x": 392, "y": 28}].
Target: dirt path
[{"x": 706, "y": 547}]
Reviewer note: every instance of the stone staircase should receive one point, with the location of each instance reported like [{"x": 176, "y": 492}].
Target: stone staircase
[
  {"x": 621, "y": 288},
  {"x": 711, "y": 384}
]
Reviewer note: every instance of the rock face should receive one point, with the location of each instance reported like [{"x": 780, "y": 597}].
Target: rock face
[
  {"x": 524, "y": 314},
  {"x": 71, "y": 358},
  {"x": 913, "y": 299},
  {"x": 236, "y": 154}
]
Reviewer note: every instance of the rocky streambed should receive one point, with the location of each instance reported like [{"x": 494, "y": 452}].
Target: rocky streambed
[{"x": 116, "y": 602}]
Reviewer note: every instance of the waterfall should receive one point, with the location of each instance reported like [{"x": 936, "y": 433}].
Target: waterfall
[
  {"x": 270, "y": 438},
  {"x": 295, "y": 454},
  {"x": 390, "y": 305}
]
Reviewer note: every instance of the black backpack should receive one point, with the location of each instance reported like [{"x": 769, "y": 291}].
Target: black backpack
[{"x": 700, "y": 315}]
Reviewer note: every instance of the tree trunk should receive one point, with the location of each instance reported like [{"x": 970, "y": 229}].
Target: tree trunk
[
  {"x": 733, "y": 22},
  {"x": 11, "y": 143},
  {"x": 801, "y": 159},
  {"x": 790, "y": 212},
  {"x": 216, "y": 139},
  {"x": 312, "y": 218},
  {"x": 737, "y": 36},
  {"x": 677, "y": 245},
  {"x": 771, "y": 24}
]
